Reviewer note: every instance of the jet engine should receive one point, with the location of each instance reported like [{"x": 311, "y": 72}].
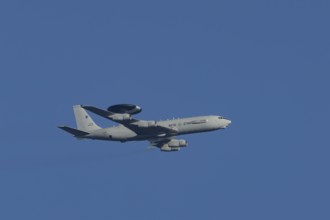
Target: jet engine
[
  {"x": 147, "y": 124},
  {"x": 166, "y": 148},
  {"x": 125, "y": 109},
  {"x": 177, "y": 143}
]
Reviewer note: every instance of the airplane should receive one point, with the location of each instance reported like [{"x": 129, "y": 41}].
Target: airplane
[{"x": 161, "y": 134}]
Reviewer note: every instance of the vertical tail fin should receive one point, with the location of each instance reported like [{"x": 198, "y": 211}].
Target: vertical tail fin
[{"x": 83, "y": 120}]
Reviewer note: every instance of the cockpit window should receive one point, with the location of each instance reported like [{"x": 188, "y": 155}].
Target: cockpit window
[{"x": 221, "y": 117}]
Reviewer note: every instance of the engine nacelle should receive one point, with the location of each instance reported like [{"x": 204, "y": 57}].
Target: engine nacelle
[
  {"x": 166, "y": 148},
  {"x": 177, "y": 143},
  {"x": 120, "y": 117},
  {"x": 147, "y": 124}
]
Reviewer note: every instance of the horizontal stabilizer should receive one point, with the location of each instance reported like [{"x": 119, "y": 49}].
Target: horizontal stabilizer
[{"x": 75, "y": 132}]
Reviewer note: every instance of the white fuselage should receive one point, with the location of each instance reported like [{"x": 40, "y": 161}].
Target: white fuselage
[{"x": 180, "y": 126}]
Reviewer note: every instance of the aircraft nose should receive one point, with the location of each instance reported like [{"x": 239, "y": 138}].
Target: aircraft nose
[{"x": 228, "y": 122}]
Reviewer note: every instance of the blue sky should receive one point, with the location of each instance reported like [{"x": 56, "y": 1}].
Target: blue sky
[{"x": 262, "y": 64}]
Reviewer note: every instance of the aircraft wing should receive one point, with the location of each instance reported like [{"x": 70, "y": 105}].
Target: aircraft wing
[
  {"x": 97, "y": 111},
  {"x": 168, "y": 143},
  {"x": 140, "y": 127},
  {"x": 109, "y": 115}
]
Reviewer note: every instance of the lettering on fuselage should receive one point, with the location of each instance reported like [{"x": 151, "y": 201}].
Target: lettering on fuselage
[{"x": 189, "y": 123}]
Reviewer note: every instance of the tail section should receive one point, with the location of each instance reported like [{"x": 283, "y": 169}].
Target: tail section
[
  {"x": 75, "y": 132},
  {"x": 84, "y": 121}
]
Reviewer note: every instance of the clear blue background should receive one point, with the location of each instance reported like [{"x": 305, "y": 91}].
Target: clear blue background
[{"x": 262, "y": 64}]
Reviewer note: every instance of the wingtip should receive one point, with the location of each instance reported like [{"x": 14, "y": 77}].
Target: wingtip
[{"x": 78, "y": 106}]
